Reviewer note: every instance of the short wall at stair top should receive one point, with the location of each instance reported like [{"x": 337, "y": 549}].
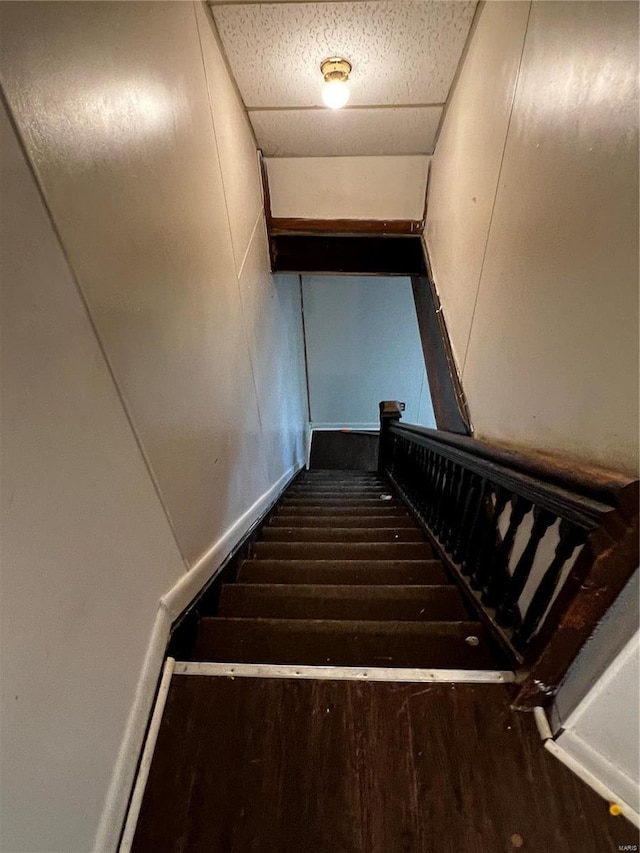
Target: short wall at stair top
[
  {"x": 363, "y": 346},
  {"x": 532, "y": 227},
  {"x": 348, "y": 187}
]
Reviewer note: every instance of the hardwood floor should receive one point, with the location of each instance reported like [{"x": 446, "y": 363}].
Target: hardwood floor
[{"x": 288, "y": 766}]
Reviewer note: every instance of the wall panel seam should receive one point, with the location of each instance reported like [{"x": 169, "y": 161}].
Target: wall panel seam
[
  {"x": 497, "y": 190},
  {"x": 33, "y": 168},
  {"x": 226, "y": 206}
]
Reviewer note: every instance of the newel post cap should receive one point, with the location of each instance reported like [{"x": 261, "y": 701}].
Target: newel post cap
[{"x": 391, "y": 409}]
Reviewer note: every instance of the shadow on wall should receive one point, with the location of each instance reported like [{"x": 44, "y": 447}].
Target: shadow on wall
[{"x": 363, "y": 346}]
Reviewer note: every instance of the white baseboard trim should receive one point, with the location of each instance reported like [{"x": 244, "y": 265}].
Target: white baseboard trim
[
  {"x": 171, "y": 605},
  {"x": 344, "y": 673},
  {"x": 124, "y": 774},
  {"x": 147, "y": 756},
  {"x": 183, "y": 593},
  {"x": 326, "y": 427},
  {"x": 594, "y": 769},
  {"x": 308, "y": 453}
]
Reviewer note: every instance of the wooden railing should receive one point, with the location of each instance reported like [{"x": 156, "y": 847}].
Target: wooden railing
[{"x": 541, "y": 547}]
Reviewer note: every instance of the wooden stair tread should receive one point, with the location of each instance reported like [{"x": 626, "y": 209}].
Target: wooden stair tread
[
  {"x": 342, "y": 534},
  {"x": 342, "y": 550},
  {"x": 343, "y": 572},
  {"x": 343, "y": 643},
  {"x": 323, "y": 601}
]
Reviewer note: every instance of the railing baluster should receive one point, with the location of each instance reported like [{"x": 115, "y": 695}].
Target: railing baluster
[
  {"x": 460, "y": 487},
  {"x": 469, "y": 556},
  {"x": 444, "y": 499},
  {"x": 470, "y": 502},
  {"x": 570, "y": 538},
  {"x": 506, "y": 612},
  {"x": 487, "y": 545},
  {"x": 451, "y": 534},
  {"x": 499, "y": 576},
  {"x": 433, "y": 494}
]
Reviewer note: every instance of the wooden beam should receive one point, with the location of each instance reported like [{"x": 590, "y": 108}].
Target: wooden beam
[
  {"x": 345, "y": 227},
  {"x": 348, "y": 255}
]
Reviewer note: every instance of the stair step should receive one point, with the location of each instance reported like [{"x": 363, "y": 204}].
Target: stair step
[
  {"x": 343, "y": 643},
  {"x": 341, "y": 502},
  {"x": 340, "y": 474},
  {"x": 323, "y": 509},
  {"x": 342, "y": 534},
  {"x": 326, "y": 601},
  {"x": 346, "y": 490},
  {"x": 280, "y": 520},
  {"x": 342, "y": 551},
  {"x": 342, "y": 572}
]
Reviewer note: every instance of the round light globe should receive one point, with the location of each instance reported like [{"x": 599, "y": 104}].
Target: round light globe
[{"x": 335, "y": 94}]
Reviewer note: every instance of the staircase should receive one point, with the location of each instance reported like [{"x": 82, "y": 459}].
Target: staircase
[{"x": 342, "y": 576}]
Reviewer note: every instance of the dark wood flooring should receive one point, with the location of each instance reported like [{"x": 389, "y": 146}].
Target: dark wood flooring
[{"x": 287, "y": 766}]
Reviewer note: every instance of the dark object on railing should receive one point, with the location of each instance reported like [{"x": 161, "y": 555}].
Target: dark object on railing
[
  {"x": 449, "y": 403},
  {"x": 542, "y": 547}
]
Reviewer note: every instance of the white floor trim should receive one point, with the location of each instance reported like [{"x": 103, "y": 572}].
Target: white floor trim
[
  {"x": 579, "y": 768},
  {"x": 147, "y": 756},
  {"x": 342, "y": 427},
  {"x": 124, "y": 773},
  {"x": 171, "y": 605},
  {"x": 344, "y": 673}
]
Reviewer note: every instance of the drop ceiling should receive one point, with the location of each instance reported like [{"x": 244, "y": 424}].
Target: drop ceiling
[{"x": 404, "y": 55}]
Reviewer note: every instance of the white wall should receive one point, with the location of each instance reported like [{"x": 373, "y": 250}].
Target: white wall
[
  {"x": 619, "y": 625},
  {"x": 148, "y": 167},
  {"x": 602, "y": 733},
  {"x": 532, "y": 227},
  {"x": 86, "y": 548},
  {"x": 363, "y": 346},
  {"x": 532, "y": 231},
  {"x": 348, "y": 187}
]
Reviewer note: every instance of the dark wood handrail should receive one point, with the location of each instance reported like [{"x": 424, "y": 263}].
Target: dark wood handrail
[
  {"x": 541, "y": 546},
  {"x": 598, "y": 484}
]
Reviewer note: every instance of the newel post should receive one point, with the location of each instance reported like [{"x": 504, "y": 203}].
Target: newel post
[{"x": 390, "y": 412}]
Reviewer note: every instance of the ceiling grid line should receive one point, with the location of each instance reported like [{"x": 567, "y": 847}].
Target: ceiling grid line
[{"x": 404, "y": 56}]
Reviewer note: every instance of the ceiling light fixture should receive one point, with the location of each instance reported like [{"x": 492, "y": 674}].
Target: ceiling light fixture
[{"x": 335, "y": 91}]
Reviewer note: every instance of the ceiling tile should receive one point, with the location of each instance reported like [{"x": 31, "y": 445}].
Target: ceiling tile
[
  {"x": 402, "y": 51},
  {"x": 329, "y": 133}
]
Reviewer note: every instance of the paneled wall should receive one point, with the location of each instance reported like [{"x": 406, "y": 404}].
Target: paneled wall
[
  {"x": 363, "y": 346},
  {"x": 532, "y": 231},
  {"x": 532, "y": 227},
  {"x": 153, "y": 382},
  {"x": 348, "y": 187}
]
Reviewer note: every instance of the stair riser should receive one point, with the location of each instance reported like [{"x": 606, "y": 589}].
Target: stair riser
[
  {"x": 322, "y": 510},
  {"x": 399, "y": 603},
  {"x": 342, "y": 643},
  {"x": 338, "y": 503},
  {"x": 342, "y": 551},
  {"x": 341, "y": 534},
  {"x": 340, "y": 474},
  {"x": 341, "y": 521},
  {"x": 336, "y": 490},
  {"x": 342, "y": 572}
]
